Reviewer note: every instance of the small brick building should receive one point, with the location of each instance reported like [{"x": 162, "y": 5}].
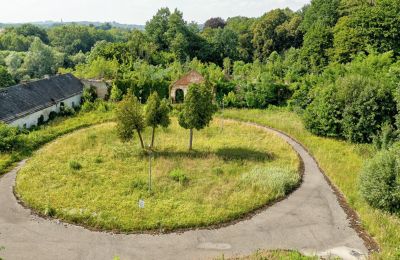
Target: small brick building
[{"x": 179, "y": 88}]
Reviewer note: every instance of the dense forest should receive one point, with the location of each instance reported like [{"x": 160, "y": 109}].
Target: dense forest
[{"x": 335, "y": 62}]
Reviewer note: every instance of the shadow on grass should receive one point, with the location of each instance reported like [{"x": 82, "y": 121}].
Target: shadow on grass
[
  {"x": 226, "y": 154},
  {"x": 243, "y": 154}
]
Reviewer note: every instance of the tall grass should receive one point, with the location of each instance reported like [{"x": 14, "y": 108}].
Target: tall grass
[
  {"x": 48, "y": 132},
  {"x": 211, "y": 185},
  {"x": 342, "y": 162}
]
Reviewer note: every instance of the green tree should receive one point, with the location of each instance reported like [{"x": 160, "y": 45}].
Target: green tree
[
  {"x": 42, "y": 60},
  {"x": 317, "y": 42},
  {"x": 242, "y": 26},
  {"x": 214, "y": 23},
  {"x": 116, "y": 93},
  {"x": 129, "y": 116},
  {"x": 6, "y": 79},
  {"x": 156, "y": 114},
  {"x": 276, "y": 30},
  {"x": 197, "y": 110},
  {"x": 157, "y": 28},
  {"x": 32, "y": 30}
]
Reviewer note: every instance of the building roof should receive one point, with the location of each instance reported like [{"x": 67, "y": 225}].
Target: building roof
[
  {"x": 24, "y": 99},
  {"x": 193, "y": 77}
]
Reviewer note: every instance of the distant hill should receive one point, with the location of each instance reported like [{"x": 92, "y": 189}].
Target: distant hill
[{"x": 48, "y": 24}]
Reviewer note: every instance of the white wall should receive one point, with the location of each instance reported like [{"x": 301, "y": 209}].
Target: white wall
[{"x": 32, "y": 119}]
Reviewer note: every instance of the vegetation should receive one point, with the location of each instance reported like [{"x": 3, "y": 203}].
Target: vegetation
[
  {"x": 342, "y": 162},
  {"x": 380, "y": 181},
  {"x": 156, "y": 114},
  {"x": 221, "y": 181},
  {"x": 24, "y": 143},
  {"x": 197, "y": 110},
  {"x": 275, "y": 255},
  {"x": 130, "y": 118}
]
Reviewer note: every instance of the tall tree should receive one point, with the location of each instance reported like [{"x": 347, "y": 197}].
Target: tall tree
[
  {"x": 6, "y": 79},
  {"x": 42, "y": 60},
  {"x": 129, "y": 116},
  {"x": 157, "y": 27},
  {"x": 197, "y": 110},
  {"x": 214, "y": 23},
  {"x": 276, "y": 30},
  {"x": 156, "y": 114}
]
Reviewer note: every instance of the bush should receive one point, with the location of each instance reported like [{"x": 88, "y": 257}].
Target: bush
[
  {"x": 9, "y": 138},
  {"x": 354, "y": 107},
  {"x": 74, "y": 165},
  {"x": 380, "y": 180},
  {"x": 178, "y": 176}
]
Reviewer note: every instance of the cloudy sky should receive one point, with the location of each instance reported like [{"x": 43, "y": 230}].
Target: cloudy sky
[{"x": 133, "y": 11}]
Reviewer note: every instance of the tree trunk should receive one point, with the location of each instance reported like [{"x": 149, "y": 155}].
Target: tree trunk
[
  {"x": 141, "y": 139},
  {"x": 152, "y": 137},
  {"x": 191, "y": 140}
]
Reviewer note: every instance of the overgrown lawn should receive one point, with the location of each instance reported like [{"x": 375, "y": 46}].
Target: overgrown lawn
[
  {"x": 90, "y": 177},
  {"x": 342, "y": 162}
]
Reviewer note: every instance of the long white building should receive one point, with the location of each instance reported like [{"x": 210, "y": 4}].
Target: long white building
[{"x": 26, "y": 104}]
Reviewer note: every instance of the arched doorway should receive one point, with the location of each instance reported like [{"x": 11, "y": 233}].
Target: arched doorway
[{"x": 179, "y": 96}]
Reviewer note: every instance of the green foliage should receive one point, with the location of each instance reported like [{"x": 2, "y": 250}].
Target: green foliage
[
  {"x": 74, "y": 165},
  {"x": 179, "y": 176},
  {"x": 129, "y": 116},
  {"x": 6, "y": 79},
  {"x": 198, "y": 108},
  {"x": 353, "y": 101},
  {"x": 156, "y": 113},
  {"x": 380, "y": 180},
  {"x": 89, "y": 94},
  {"x": 9, "y": 138},
  {"x": 99, "y": 68},
  {"x": 277, "y": 30},
  {"x": 386, "y": 137},
  {"x": 41, "y": 60},
  {"x": 72, "y": 39},
  {"x": 116, "y": 93}
]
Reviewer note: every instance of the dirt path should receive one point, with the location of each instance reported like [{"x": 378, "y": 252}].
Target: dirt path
[{"x": 310, "y": 220}]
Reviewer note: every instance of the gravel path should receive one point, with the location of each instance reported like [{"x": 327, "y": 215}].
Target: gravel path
[{"x": 310, "y": 220}]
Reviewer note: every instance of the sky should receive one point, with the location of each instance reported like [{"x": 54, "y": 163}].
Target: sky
[{"x": 133, "y": 11}]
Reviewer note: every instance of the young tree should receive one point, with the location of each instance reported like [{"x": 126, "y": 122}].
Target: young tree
[
  {"x": 156, "y": 114},
  {"x": 6, "y": 79},
  {"x": 129, "y": 119},
  {"x": 197, "y": 110}
]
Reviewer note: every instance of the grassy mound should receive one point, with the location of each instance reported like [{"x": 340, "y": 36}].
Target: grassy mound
[{"x": 91, "y": 178}]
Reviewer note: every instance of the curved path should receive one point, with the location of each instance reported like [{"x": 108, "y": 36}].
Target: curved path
[{"x": 310, "y": 220}]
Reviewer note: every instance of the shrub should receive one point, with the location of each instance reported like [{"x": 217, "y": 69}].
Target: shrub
[
  {"x": 89, "y": 94},
  {"x": 178, "y": 176},
  {"x": 74, "y": 165},
  {"x": 52, "y": 115},
  {"x": 138, "y": 185},
  {"x": 386, "y": 137},
  {"x": 354, "y": 107},
  {"x": 323, "y": 116},
  {"x": 9, "y": 138},
  {"x": 380, "y": 180}
]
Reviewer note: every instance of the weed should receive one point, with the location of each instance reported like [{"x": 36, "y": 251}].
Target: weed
[{"x": 74, "y": 165}]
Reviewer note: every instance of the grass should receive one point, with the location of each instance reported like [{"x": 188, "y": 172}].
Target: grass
[
  {"x": 273, "y": 255},
  {"x": 49, "y": 132},
  {"x": 342, "y": 162},
  {"x": 229, "y": 174}
]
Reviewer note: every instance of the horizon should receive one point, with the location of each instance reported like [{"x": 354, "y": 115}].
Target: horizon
[{"x": 134, "y": 12}]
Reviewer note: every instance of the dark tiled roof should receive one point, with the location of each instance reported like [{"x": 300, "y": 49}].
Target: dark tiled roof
[
  {"x": 192, "y": 77},
  {"x": 24, "y": 99}
]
